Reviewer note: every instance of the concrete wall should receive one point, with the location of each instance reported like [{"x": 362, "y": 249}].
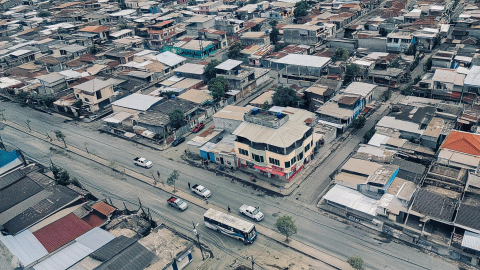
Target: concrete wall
[
  {"x": 229, "y": 125},
  {"x": 374, "y": 44},
  {"x": 339, "y": 44}
]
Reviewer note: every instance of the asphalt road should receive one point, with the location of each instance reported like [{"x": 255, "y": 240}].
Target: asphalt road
[{"x": 314, "y": 229}]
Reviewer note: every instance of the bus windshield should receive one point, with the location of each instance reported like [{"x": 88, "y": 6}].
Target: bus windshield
[{"x": 251, "y": 233}]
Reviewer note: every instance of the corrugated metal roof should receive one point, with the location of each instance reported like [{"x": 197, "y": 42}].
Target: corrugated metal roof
[
  {"x": 471, "y": 240},
  {"x": 95, "y": 238},
  {"x": 304, "y": 60},
  {"x": 135, "y": 257},
  {"x": 103, "y": 208},
  {"x": 137, "y": 102},
  {"x": 359, "y": 88},
  {"x": 62, "y": 231},
  {"x": 112, "y": 248},
  {"x": 70, "y": 255},
  {"x": 24, "y": 246},
  {"x": 352, "y": 199},
  {"x": 10, "y": 178},
  {"x": 229, "y": 64}
]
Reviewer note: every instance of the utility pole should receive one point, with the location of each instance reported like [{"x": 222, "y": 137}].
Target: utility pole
[
  {"x": 195, "y": 232},
  {"x": 253, "y": 262}
]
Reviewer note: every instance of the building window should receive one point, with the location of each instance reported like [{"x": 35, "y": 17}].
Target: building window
[
  {"x": 307, "y": 147},
  {"x": 243, "y": 152},
  {"x": 274, "y": 161},
  {"x": 257, "y": 158},
  {"x": 87, "y": 100},
  {"x": 300, "y": 156},
  {"x": 294, "y": 159},
  {"x": 99, "y": 94},
  {"x": 287, "y": 164}
]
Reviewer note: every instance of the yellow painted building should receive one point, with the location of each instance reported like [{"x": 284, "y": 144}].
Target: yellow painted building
[{"x": 277, "y": 144}]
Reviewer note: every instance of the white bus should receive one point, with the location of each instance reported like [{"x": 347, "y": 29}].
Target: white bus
[{"x": 229, "y": 225}]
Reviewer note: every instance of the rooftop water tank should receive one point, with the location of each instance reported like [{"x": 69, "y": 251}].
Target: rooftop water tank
[
  {"x": 178, "y": 74},
  {"x": 173, "y": 96},
  {"x": 267, "y": 31},
  {"x": 279, "y": 115},
  {"x": 254, "y": 110}
]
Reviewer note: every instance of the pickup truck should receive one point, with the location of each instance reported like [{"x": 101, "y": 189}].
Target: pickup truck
[
  {"x": 251, "y": 212},
  {"x": 201, "y": 190},
  {"x": 142, "y": 162},
  {"x": 177, "y": 203}
]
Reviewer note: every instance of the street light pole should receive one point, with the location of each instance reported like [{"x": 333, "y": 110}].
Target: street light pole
[{"x": 195, "y": 232}]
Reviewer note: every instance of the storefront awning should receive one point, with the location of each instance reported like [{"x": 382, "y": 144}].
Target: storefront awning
[{"x": 269, "y": 170}]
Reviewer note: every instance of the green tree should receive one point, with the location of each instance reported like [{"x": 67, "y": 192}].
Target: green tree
[
  {"x": 352, "y": 71},
  {"x": 395, "y": 63},
  {"x": 274, "y": 35},
  {"x": 93, "y": 49},
  {"x": 122, "y": 25},
  {"x": 428, "y": 64},
  {"x": 406, "y": 91},
  {"x": 62, "y": 177},
  {"x": 210, "y": 71},
  {"x": 177, "y": 118},
  {"x": 386, "y": 95},
  {"x": 266, "y": 106},
  {"x": 359, "y": 122},
  {"x": 278, "y": 47},
  {"x": 60, "y": 136},
  {"x": 217, "y": 87},
  {"x": 43, "y": 13},
  {"x": 78, "y": 104},
  {"x": 192, "y": 3},
  {"x": 286, "y": 226},
  {"x": 341, "y": 54},
  {"x": 172, "y": 179},
  {"x": 383, "y": 32},
  {"x": 301, "y": 9},
  {"x": 234, "y": 50},
  {"x": 286, "y": 96},
  {"x": 369, "y": 134},
  {"x": 355, "y": 262}
]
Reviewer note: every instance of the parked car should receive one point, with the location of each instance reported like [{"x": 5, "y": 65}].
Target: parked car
[
  {"x": 251, "y": 212},
  {"x": 198, "y": 127},
  {"x": 142, "y": 162},
  {"x": 201, "y": 190},
  {"x": 177, "y": 203},
  {"x": 178, "y": 141}
]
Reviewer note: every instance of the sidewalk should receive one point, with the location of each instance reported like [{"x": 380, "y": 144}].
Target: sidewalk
[{"x": 294, "y": 244}]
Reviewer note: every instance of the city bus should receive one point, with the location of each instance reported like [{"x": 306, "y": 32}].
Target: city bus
[{"x": 230, "y": 225}]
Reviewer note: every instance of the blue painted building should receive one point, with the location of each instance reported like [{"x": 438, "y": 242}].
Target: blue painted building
[{"x": 206, "y": 151}]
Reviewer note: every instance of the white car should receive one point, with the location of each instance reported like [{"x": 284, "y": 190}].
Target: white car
[
  {"x": 201, "y": 190},
  {"x": 251, "y": 212},
  {"x": 142, "y": 162}
]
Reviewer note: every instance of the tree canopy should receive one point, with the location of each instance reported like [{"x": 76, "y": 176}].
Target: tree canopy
[
  {"x": 172, "y": 179},
  {"x": 234, "y": 50},
  {"x": 301, "y": 9},
  {"x": 217, "y": 87},
  {"x": 60, "y": 136},
  {"x": 286, "y": 96},
  {"x": 341, "y": 54},
  {"x": 286, "y": 226},
  {"x": 359, "y": 122},
  {"x": 428, "y": 64},
  {"x": 355, "y": 262},
  {"x": 351, "y": 72},
  {"x": 177, "y": 118},
  {"x": 210, "y": 71},
  {"x": 192, "y": 3},
  {"x": 62, "y": 177},
  {"x": 43, "y": 13}
]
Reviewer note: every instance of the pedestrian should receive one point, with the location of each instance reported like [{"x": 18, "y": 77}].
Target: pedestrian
[
  {"x": 233, "y": 181},
  {"x": 188, "y": 185},
  {"x": 185, "y": 151},
  {"x": 206, "y": 200},
  {"x": 158, "y": 174},
  {"x": 251, "y": 177},
  {"x": 229, "y": 211}
]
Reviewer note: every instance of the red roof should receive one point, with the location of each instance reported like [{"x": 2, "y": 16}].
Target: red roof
[
  {"x": 463, "y": 142},
  {"x": 62, "y": 231},
  {"x": 94, "y": 219},
  {"x": 103, "y": 208}
]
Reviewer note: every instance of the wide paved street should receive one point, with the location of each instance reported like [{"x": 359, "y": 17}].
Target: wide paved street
[{"x": 314, "y": 229}]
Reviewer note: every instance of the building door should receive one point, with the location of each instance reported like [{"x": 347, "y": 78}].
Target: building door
[{"x": 221, "y": 160}]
